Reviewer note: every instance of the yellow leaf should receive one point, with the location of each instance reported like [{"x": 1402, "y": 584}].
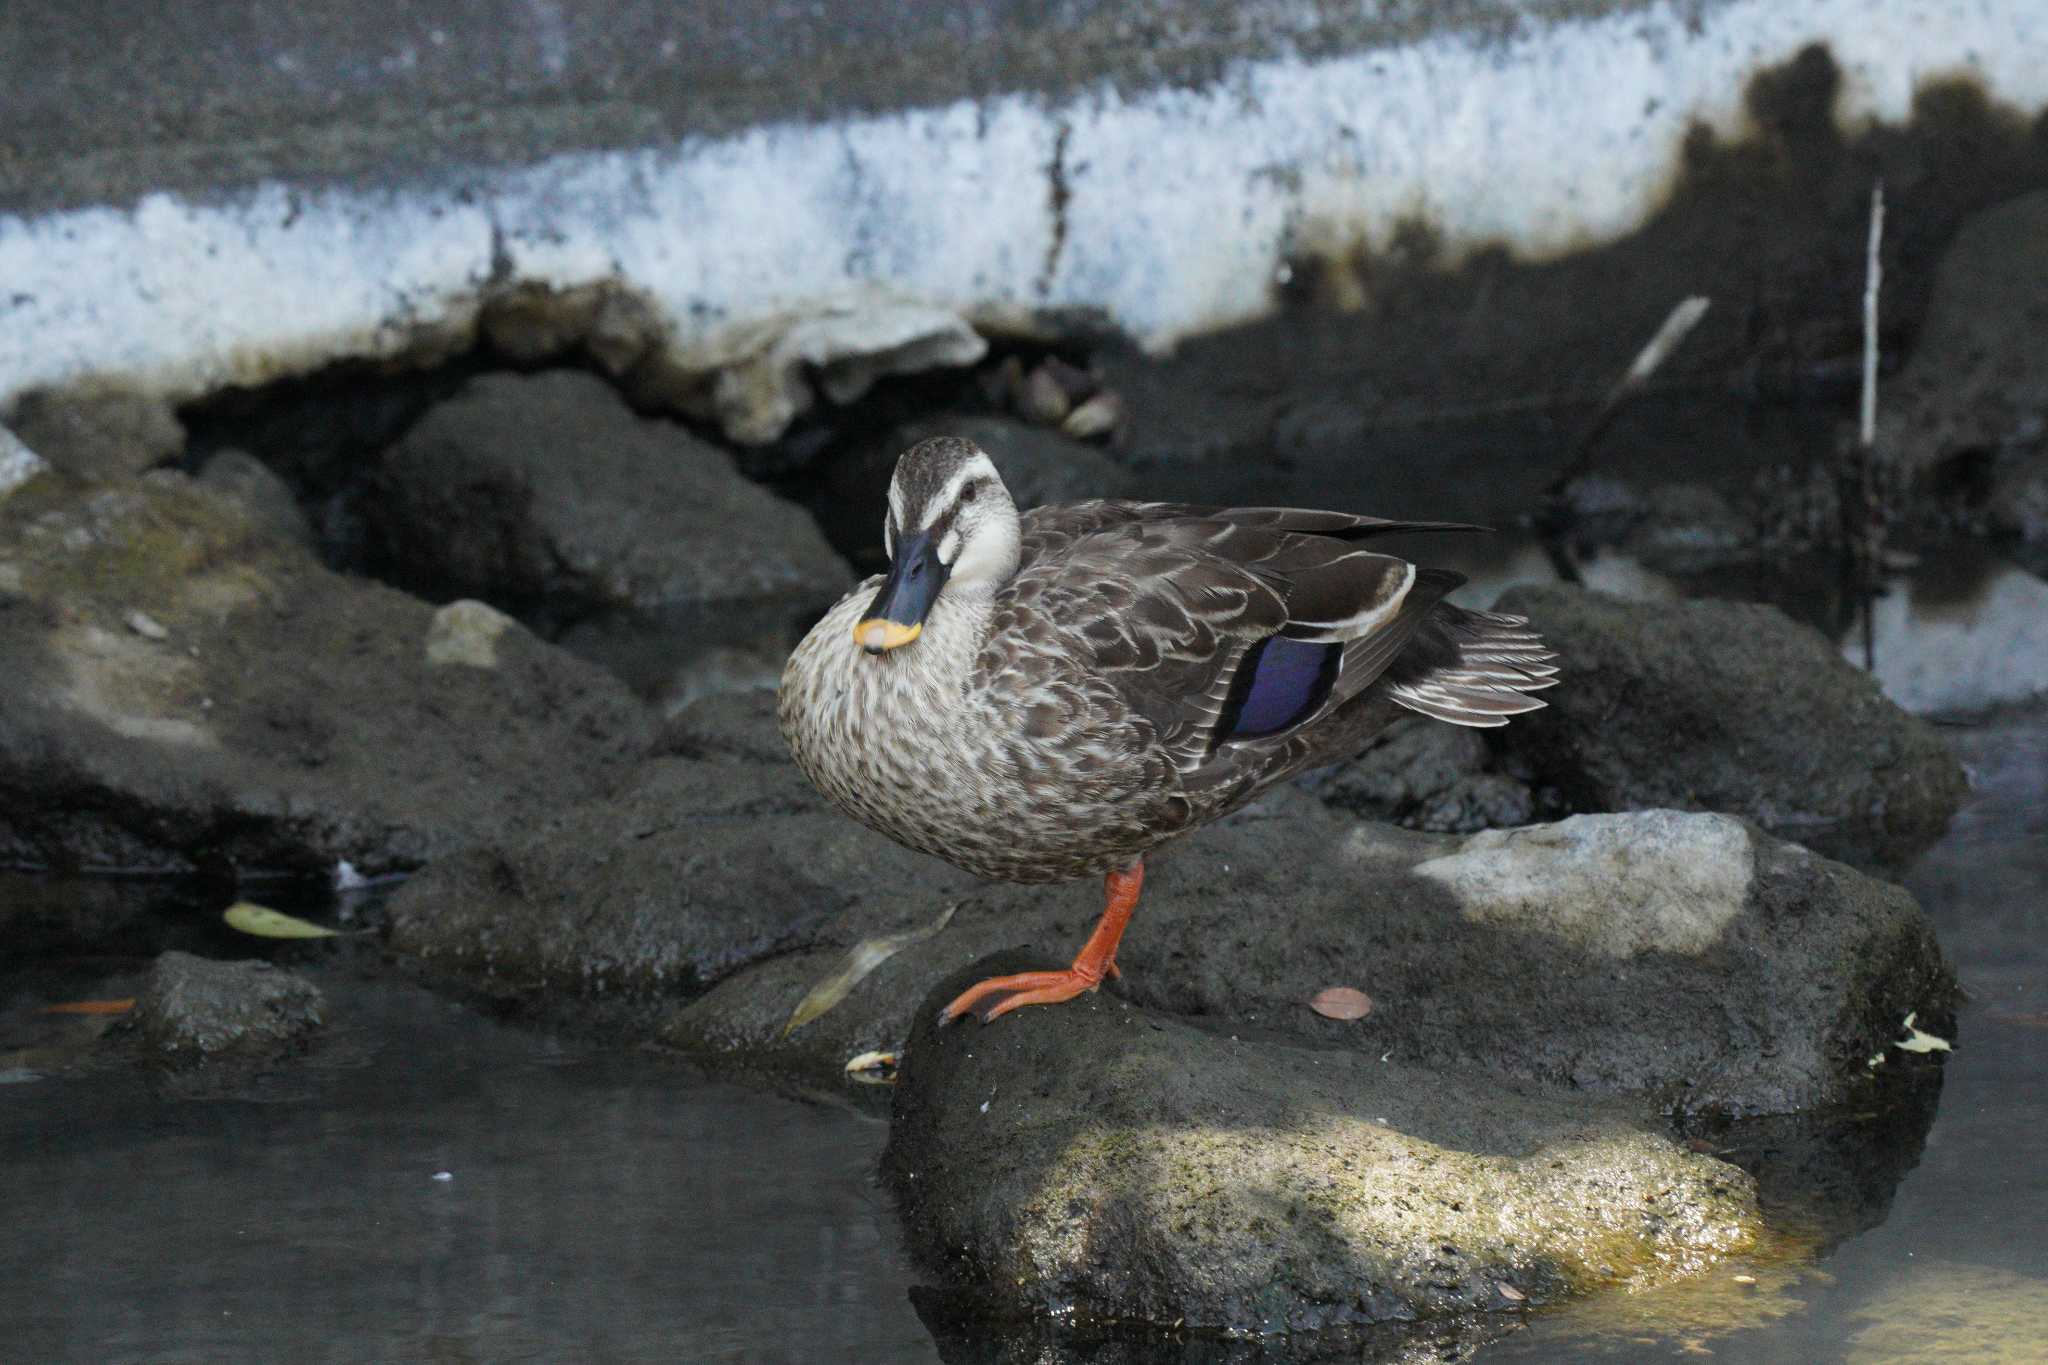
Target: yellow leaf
[
  {"x": 264, "y": 922},
  {"x": 873, "y": 1068},
  {"x": 861, "y": 959}
]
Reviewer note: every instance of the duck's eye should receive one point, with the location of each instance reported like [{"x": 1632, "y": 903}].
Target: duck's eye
[{"x": 968, "y": 493}]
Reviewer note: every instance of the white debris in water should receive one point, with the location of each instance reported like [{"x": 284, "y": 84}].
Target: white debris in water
[
  {"x": 1643, "y": 881},
  {"x": 444, "y": 1176},
  {"x": 1916, "y": 1041},
  {"x": 1180, "y": 207},
  {"x": 346, "y": 878}
]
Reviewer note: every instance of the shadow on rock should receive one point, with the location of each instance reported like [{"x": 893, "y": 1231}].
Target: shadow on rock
[{"x": 1103, "y": 1159}]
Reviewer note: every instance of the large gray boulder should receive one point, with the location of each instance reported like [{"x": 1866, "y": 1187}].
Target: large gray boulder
[
  {"x": 1729, "y": 706},
  {"x": 1686, "y": 958},
  {"x": 186, "y": 688},
  {"x": 1106, "y": 1160},
  {"x": 715, "y": 856},
  {"x": 1689, "y": 959},
  {"x": 547, "y": 488}
]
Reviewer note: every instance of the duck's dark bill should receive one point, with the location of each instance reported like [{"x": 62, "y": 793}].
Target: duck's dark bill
[{"x": 897, "y": 616}]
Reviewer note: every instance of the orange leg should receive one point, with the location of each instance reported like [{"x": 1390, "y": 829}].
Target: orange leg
[{"x": 1000, "y": 994}]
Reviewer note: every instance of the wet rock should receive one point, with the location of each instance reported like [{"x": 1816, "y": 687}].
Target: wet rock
[
  {"x": 192, "y": 1010},
  {"x": 98, "y": 432},
  {"x": 288, "y": 717},
  {"x": 1977, "y": 379},
  {"x": 1732, "y": 707},
  {"x": 1039, "y": 467},
  {"x": 548, "y": 487},
  {"x": 696, "y": 868},
  {"x": 466, "y": 633},
  {"x": 1113, "y": 1161},
  {"x": 1686, "y": 958},
  {"x": 268, "y": 498}
]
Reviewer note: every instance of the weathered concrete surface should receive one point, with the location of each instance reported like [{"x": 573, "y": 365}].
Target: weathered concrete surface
[
  {"x": 354, "y": 186},
  {"x": 1104, "y": 1159},
  {"x": 194, "y": 1010},
  {"x": 1731, "y": 707},
  {"x": 187, "y": 688}
]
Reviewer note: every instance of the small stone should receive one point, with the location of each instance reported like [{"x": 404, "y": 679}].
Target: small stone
[
  {"x": 1099, "y": 416},
  {"x": 97, "y": 431},
  {"x": 146, "y": 626},
  {"x": 1042, "y": 400},
  {"x": 466, "y": 633},
  {"x": 259, "y": 488},
  {"x": 193, "y": 1008}
]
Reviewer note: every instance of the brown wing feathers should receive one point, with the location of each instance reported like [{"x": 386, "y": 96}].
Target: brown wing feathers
[{"x": 1175, "y": 599}]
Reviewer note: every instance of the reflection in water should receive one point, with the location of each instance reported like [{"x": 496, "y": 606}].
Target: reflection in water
[
  {"x": 598, "y": 1207},
  {"x": 1949, "y": 645}
]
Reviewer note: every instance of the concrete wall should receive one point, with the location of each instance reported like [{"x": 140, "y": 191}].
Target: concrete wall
[{"x": 226, "y": 193}]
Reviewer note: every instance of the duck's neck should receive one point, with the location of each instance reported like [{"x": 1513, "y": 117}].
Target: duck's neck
[{"x": 954, "y": 633}]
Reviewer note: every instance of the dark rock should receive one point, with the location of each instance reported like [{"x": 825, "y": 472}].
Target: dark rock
[
  {"x": 1104, "y": 1159},
  {"x": 2017, "y": 505},
  {"x": 1486, "y": 801},
  {"x": 288, "y": 717},
  {"x": 698, "y": 867},
  {"x": 98, "y": 432},
  {"x": 545, "y": 493},
  {"x": 1977, "y": 379},
  {"x": 1731, "y": 707},
  {"x": 267, "y": 496},
  {"x": 1039, "y": 467},
  {"x": 1685, "y": 958},
  {"x": 193, "y": 1010},
  {"x": 1409, "y": 764}
]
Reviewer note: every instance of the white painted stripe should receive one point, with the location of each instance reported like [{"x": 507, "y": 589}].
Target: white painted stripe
[{"x": 1180, "y": 206}]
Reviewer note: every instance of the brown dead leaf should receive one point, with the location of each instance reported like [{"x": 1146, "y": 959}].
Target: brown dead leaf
[
  {"x": 89, "y": 1007},
  {"x": 1342, "y": 1002}
]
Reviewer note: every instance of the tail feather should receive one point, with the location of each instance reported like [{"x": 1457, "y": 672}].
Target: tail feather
[{"x": 1495, "y": 662}]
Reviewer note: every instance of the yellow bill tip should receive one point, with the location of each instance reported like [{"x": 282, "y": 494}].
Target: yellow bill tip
[{"x": 877, "y": 634}]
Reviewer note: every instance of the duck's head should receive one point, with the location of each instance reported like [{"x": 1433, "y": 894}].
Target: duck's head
[{"x": 951, "y": 528}]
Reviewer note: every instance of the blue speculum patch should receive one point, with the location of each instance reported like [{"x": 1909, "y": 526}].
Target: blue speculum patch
[{"x": 1280, "y": 682}]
